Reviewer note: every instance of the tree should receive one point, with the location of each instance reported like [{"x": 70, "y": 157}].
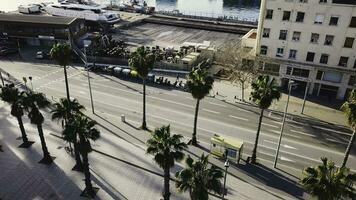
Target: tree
[
  {"x": 85, "y": 128},
  {"x": 62, "y": 53},
  {"x": 199, "y": 84},
  {"x": 166, "y": 149},
  {"x": 142, "y": 61},
  {"x": 349, "y": 109},
  {"x": 328, "y": 182},
  {"x": 33, "y": 103},
  {"x": 239, "y": 69},
  {"x": 264, "y": 92},
  {"x": 64, "y": 111},
  {"x": 14, "y": 97},
  {"x": 199, "y": 179}
]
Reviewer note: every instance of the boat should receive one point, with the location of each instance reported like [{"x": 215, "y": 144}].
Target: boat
[
  {"x": 89, "y": 12},
  {"x": 29, "y": 9}
]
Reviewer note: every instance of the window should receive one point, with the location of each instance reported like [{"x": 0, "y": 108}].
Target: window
[
  {"x": 271, "y": 67},
  {"x": 303, "y": 1},
  {"x": 263, "y": 50},
  {"x": 286, "y": 16},
  {"x": 292, "y": 54},
  {"x": 334, "y": 20},
  {"x": 266, "y": 32},
  {"x": 324, "y": 58},
  {"x": 334, "y": 77},
  {"x": 300, "y": 17},
  {"x": 329, "y": 40},
  {"x": 314, "y": 38},
  {"x": 310, "y": 56},
  {"x": 269, "y": 14},
  {"x": 343, "y": 61},
  {"x": 319, "y": 19},
  {"x": 349, "y": 42},
  {"x": 280, "y": 52},
  {"x": 353, "y": 22},
  {"x": 296, "y": 36},
  {"x": 319, "y": 75},
  {"x": 283, "y": 34},
  {"x": 352, "y": 81},
  {"x": 300, "y": 72},
  {"x": 232, "y": 153},
  {"x": 323, "y": 1}
]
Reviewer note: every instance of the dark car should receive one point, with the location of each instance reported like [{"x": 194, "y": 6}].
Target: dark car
[{"x": 8, "y": 51}]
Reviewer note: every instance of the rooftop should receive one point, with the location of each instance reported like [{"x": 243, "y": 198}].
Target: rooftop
[{"x": 38, "y": 19}]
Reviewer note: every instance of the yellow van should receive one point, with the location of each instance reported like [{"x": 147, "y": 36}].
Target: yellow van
[{"x": 226, "y": 147}]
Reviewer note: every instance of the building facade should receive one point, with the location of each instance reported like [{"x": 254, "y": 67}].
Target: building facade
[{"x": 311, "y": 42}]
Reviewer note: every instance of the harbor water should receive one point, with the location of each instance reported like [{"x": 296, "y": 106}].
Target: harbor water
[{"x": 243, "y": 9}]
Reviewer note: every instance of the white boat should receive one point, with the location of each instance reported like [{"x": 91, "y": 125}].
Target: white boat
[
  {"x": 29, "y": 9},
  {"x": 93, "y": 12}
]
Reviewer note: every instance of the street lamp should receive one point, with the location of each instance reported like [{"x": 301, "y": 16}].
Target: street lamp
[
  {"x": 227, "y": 165},
  {"x": 87, "y": 68},
  {"x": 291, "y": 83},
  {"x": 305, "y": 97}
]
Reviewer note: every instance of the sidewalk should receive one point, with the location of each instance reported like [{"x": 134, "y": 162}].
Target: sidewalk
[{"x": 119, "y": 166}]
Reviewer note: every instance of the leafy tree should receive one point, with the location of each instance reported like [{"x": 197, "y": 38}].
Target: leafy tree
[
  {"x": 62, "y": 53},
  {"x": 142, "y": 61},
  {"x": 328, "y": 182},
  {"x": 33, "y": 103},
  {"x": 11, "y": 95},
  {"x": 199, "y": 84},
  {"x": 85, "y": 128},
  {"x": 349, "y": 109},
  {"x": 264, "y": 92},
  {"x": 64, "y": 111},
  {"x": 166, "y": 150},
  {"x": 199, "y": 179}
]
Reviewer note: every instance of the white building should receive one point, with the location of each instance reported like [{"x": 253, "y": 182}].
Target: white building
[{"x": 309, "y": 41}]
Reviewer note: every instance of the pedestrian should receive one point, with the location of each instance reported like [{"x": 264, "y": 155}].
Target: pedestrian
[{"x": 177, "y": 77}]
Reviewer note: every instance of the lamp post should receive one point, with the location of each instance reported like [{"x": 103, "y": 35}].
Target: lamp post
[
  {"x": 30, "y": 78},
  {"x": 305, "y": 97},
  {"x": 291, "y": 83},
  {"x": 87, "y": 68},
  {"x": 227, "y": 165}
]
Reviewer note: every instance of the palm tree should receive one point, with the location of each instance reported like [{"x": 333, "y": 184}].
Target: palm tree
[
  {"x": 349, "y": 108},
  {"x": 198, "y": 179},
  {"x": 62, "y": 53},
  {"x": 33, "y": 103},
  {"x": 13, "y": 96},
  {"x": 85, "y": 128},
  {"x": 143, "y": 60},
  {"x": 166, "y": 150},
  {"x": 328, "y": 182},
  {"x": 264, "y": 92},
  {"x": 63, "y": 112},
  {"x": 199, "y": 84}
]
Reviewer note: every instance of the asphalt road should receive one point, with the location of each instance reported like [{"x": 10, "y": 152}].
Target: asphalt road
[{"x": 304, "y": 142}]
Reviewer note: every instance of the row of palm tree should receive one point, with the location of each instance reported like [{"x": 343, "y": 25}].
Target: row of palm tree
[{"x": 198, "y": 177}]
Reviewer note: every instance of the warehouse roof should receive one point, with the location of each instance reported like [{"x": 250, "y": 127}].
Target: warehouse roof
[{"x": 36, "y": 19}]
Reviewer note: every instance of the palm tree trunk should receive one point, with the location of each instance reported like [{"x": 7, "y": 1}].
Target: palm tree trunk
[
  {"x": 254, "y": 152},
  {"x": 144, "y": 125},
  {"x": 47, "y": 159},
  {"x": 194, "y": 137},
  {"x": 166, "y": 193},
  {"x": 78, "y": 162},
  {"x": 348, "y": 149},
  {"x": 23, "y": 132},
  {"x": 88, "y": 186},
  {"x": 66, "y": 81}
]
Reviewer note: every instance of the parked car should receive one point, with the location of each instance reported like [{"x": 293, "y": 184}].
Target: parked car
[
  {"x": 8, "y": 51},
  {"x": 43, "y": 55}
]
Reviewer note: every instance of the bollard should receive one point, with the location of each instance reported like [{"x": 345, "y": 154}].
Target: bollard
[{"x": 123, "y": 118}]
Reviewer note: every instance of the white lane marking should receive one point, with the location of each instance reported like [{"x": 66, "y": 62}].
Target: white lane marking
[
  {"x": 270, "y": 125},
  {"x": 217, "y": 104},
  {"x": 240, "y": 118},
  {"x": 331, "y": 130},
  {"x": 286, "y": 159},
  {"x": 243, "y": 110},
  {"x": 336, "y": 141},
  {"x": 302, "y": 133},
  {"x": 284, "y": 145},
  {"x": 279, "y": 132},
  {"x": 211, "y": 111},
  {"x": 189, "y": 98}
]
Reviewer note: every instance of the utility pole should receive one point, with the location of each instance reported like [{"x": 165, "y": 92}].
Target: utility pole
[{"x": 305, "y": 97}]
